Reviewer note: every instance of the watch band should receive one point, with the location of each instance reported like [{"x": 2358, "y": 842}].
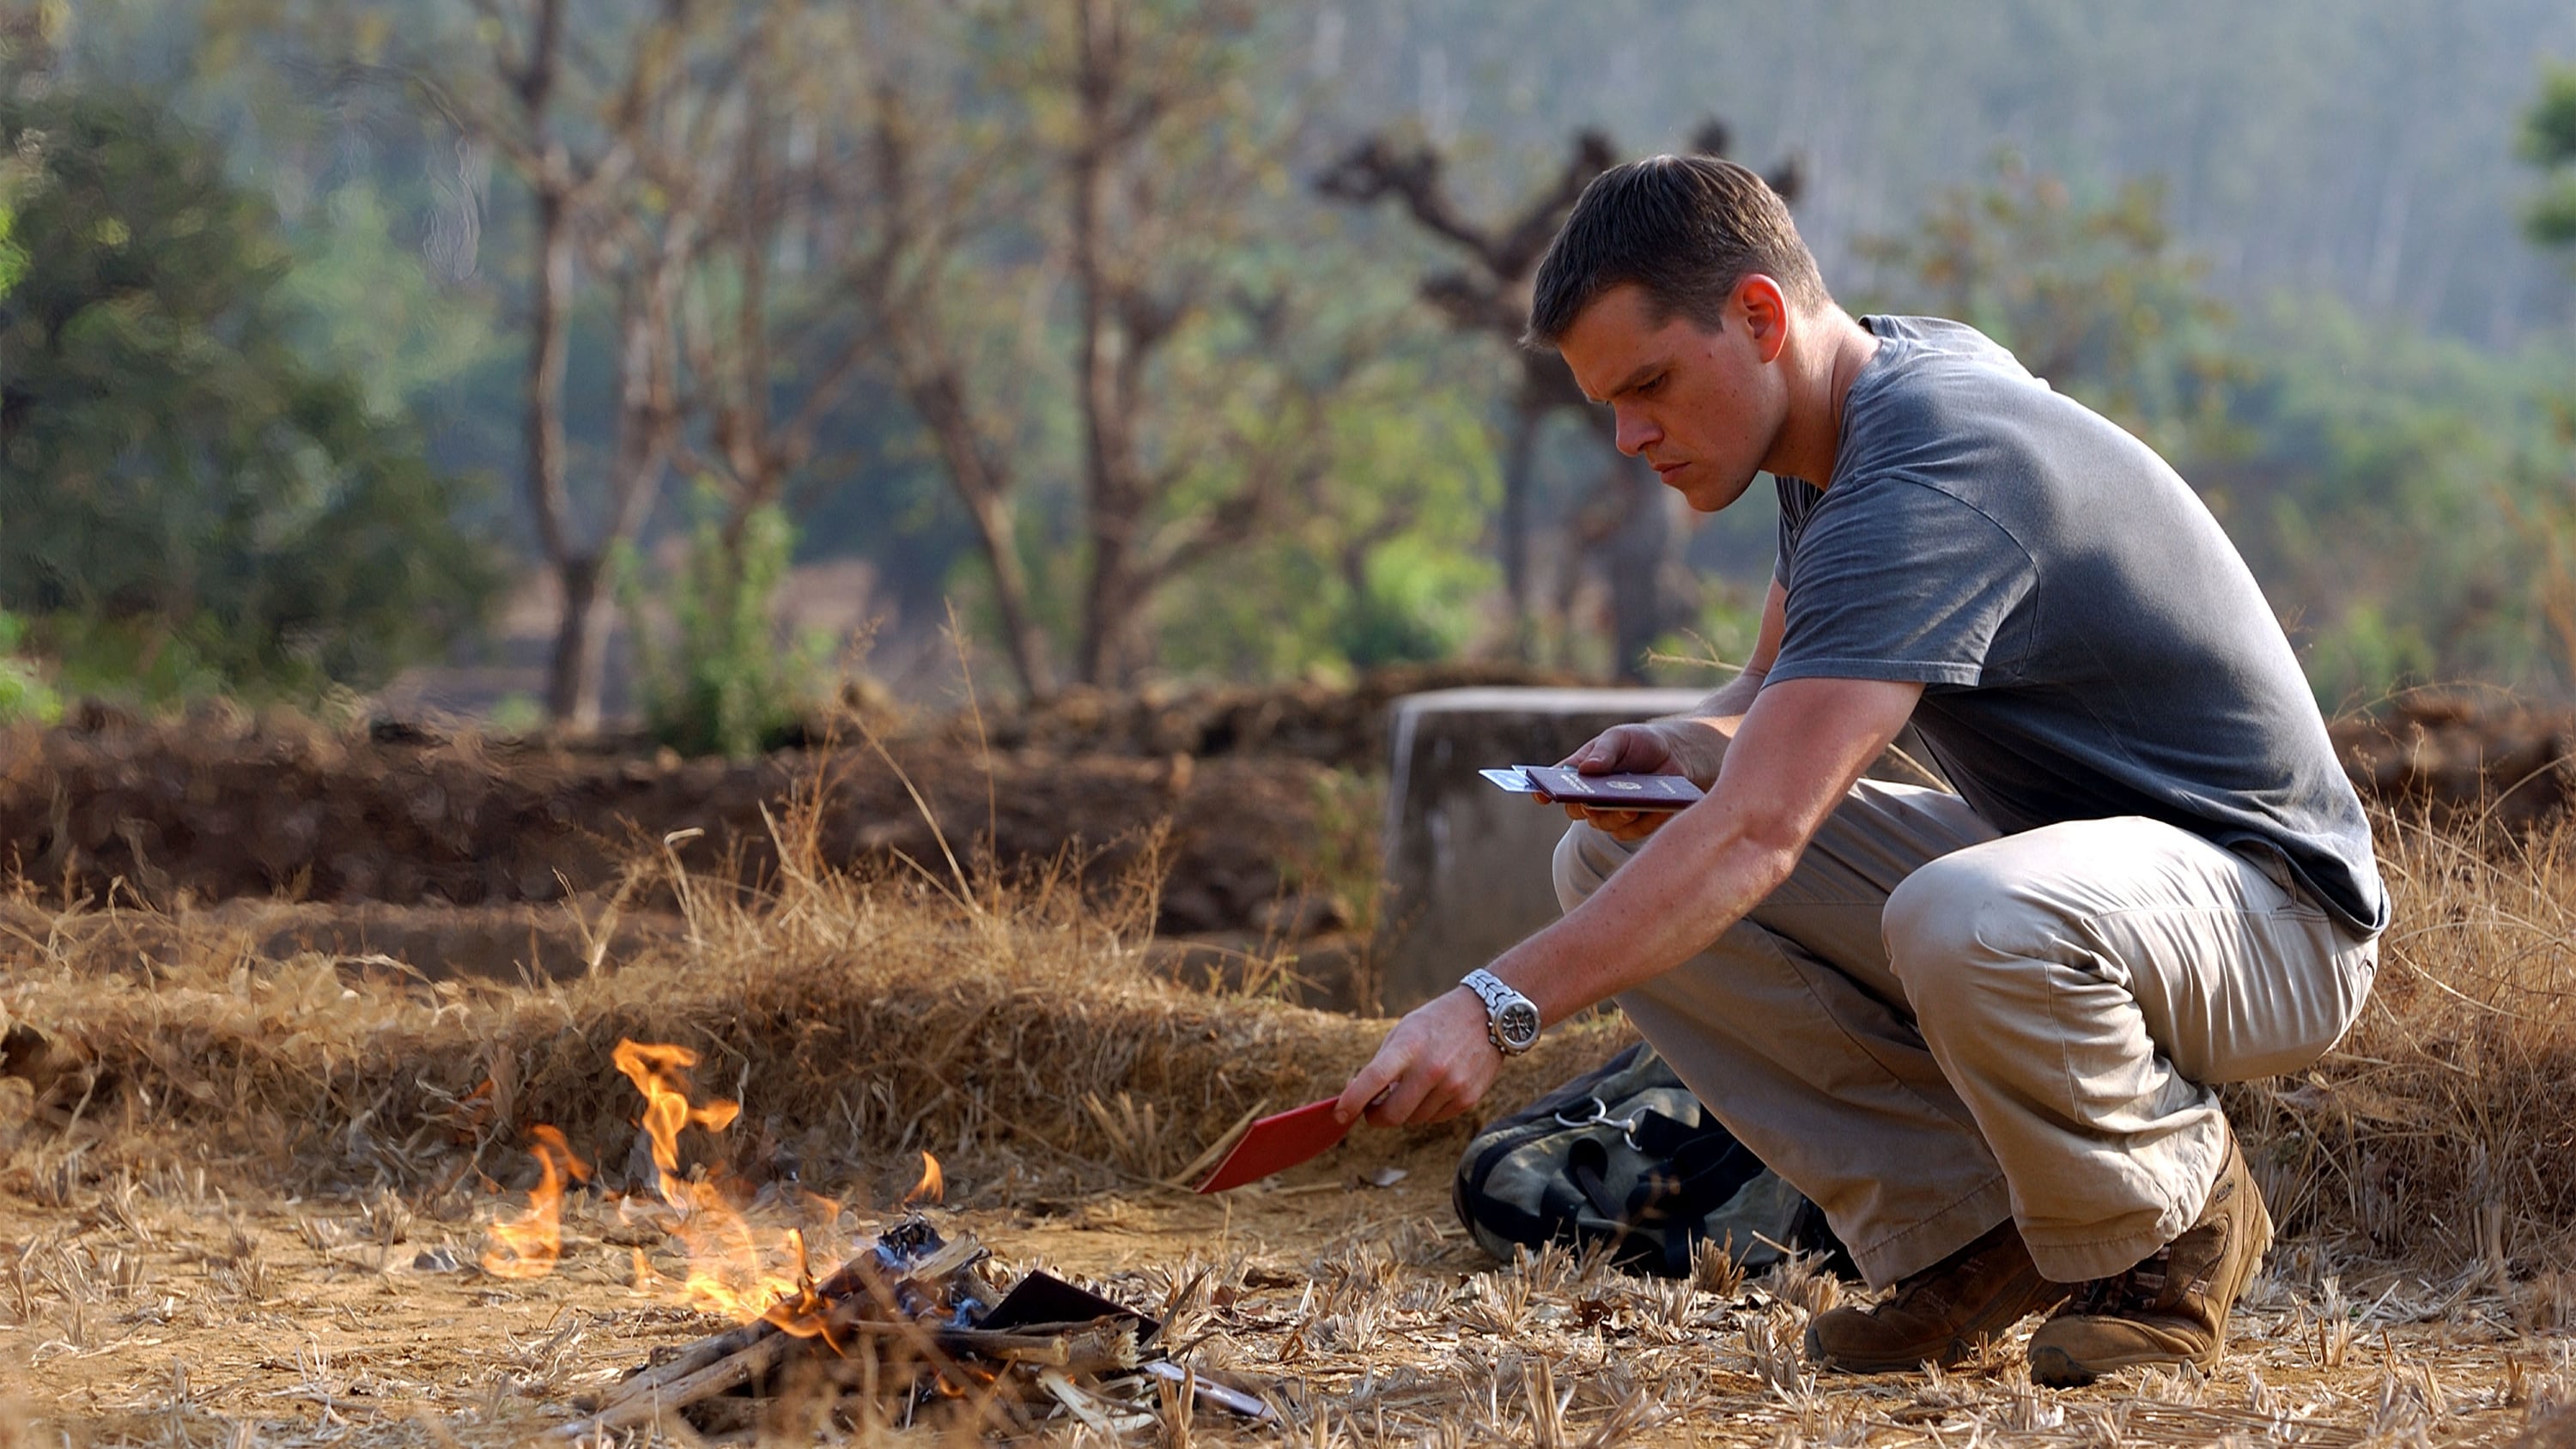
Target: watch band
[{"x": 1511, "y": 1019}]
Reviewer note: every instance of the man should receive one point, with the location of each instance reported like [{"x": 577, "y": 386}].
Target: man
[{"x": 1980, "y": 1030}]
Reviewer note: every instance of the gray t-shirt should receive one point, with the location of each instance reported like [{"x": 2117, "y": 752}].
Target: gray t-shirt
[{"x": 2089, "y": 642}]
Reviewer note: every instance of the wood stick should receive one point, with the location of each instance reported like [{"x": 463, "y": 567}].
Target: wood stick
[
  {"x": 1102, "y": 1347},
  {"x": 690, "y": 1360},
  {"x": 737, "y": 1368},
  {"x": 861, "y": 1274}
]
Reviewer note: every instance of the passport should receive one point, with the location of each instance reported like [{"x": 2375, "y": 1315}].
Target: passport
[
  {"x": 1568, "y": 786},
  {"x": 1279, "y": 1142}
]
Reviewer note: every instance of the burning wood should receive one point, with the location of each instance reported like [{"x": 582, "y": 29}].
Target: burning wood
[{"x": 912, "y": 1325}]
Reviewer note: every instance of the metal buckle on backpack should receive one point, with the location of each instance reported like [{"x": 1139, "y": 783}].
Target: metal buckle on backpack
[{"x": 1601, "y": 1118}]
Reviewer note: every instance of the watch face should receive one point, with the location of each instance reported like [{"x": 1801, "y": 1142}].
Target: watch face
[{"x": 1518, "y": 1023}]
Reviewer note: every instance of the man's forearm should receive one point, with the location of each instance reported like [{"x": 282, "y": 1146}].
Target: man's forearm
[
  {"x": 1787, "y": 764},
  {"x": 1673, "y": 898}
]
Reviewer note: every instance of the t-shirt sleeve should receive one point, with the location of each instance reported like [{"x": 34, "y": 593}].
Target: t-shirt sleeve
[
  {"x": 1797, "y": 499},
  {"x": 1905, "y": 583}
]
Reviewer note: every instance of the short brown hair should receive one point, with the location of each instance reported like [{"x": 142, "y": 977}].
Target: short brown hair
[{"x": 1687, "y": 229}]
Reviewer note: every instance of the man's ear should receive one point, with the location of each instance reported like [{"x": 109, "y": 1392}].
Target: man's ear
[{"x": 1765, "y": 310}]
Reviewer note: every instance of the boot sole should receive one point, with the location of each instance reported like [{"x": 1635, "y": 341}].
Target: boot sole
[
  {"x": 2058, "y": 1369},
  {"x": 1955, "y": 1351}
]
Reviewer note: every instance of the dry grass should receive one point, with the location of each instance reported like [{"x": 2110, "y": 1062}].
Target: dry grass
[
  {"x": 2426, "y": 1272},
  {"x": 1012, "y": 1029},
  {"x": 1017, "y": 1030},
  {"x": 2442, "y": 1131}
]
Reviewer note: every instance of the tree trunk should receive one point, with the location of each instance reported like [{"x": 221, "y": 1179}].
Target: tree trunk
[
  {"x": 548, "y": 327},
  {"x": 1110, "y": 494},
  {"x": 1028, "y": 647},
  {"x": 1638, "y": 552},
  {"x": 983, "y": 484},
  {"x": 1520, "y": 471},
  {"x": 580, "y": 668}
]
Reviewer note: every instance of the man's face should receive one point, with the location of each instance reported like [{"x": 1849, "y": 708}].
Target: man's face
[{"x": 1703, "y": 407}]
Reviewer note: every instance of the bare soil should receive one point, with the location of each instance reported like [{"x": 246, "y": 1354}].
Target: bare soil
[
  {"x": 250, "y": 1154},
  {"x": 177, "y": 816},
  {"x": 169, "y": 1310}
]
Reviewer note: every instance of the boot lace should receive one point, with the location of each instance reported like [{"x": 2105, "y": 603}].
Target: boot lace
[{"x": 2138, "y": 1288}]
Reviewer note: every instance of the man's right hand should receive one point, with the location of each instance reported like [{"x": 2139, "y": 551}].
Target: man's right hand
[{"x": 1655, "y": 747}]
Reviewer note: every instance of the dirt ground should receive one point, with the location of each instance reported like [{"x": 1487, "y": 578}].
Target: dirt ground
[
  {"x": 232, "y": 1033},
  {"x": 175, "y": 1309}
]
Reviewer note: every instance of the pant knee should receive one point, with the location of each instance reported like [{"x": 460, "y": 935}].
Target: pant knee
[{"x": 1949, "y": 919}]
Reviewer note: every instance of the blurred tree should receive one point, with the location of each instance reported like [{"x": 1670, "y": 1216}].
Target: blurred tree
[
  {"x": 188, "y": 502},
  {"x": 13, "y": 258},
  {"x": 613, "y": 118},
  {"x": 1379, "y": 561},
  {"x": 2380, "y": 481},
  {"x": 1159, "y": 158},
  {"x": 1627, "y": 519},
  {"x": 573, "y": 114},
  {"x": 1490, "y": 297},
  {"x": 2101, "y": 300},
  {"x": 2549, "y": 142},
  {"x": 1076, "y": 254},
  {"x": 937, "y": 178},
  {"x": 721, "y": 684}
]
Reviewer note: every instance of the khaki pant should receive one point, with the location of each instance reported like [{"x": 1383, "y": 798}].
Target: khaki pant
[{"x": 1931, "y": 1026}]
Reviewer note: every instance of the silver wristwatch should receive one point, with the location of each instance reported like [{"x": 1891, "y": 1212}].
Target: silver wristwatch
[{"x": 1511, "y": 1019}]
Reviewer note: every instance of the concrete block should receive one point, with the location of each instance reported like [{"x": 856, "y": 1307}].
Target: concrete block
[{"x": 1467, "y": 864}]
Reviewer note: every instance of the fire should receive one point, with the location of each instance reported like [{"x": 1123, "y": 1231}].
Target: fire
[
  {"x": 736, "y": 1267},
  {"x": 729, "y": 1266},
  {"x": 652, "y": 1068},
  {"x": 528, "y": 1247},
  {"x": 933, "y": 1186}
]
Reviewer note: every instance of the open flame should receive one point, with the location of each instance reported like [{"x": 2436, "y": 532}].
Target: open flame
[
  {"x": 528, "y": 1247},
  {"x": 933, "y": 1185},
  {"x": 736, "y": 1267},
  {"x": 730, "y": 1268},
  {"x": 654, "y": 1068}
]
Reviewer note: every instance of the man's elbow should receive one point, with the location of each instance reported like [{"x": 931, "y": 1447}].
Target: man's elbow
[{"x": 1769, "y": 843}]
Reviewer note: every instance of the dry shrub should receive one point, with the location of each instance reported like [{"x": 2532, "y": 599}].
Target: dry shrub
[
  {"x": 2439, "y": 1130},
  {"x": 1013, "y": 1030}
]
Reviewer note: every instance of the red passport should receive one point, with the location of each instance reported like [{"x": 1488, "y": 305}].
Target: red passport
[{"x": 1278, "y": 1142}]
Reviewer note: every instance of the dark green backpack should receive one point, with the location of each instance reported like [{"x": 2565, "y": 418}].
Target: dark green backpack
[{"x": 1625, "y": 1155}]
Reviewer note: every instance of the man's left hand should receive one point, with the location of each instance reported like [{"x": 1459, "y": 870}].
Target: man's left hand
[{"x": 1436, "y": 1064}]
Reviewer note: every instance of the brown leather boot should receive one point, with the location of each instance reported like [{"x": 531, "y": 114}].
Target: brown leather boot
[
  {"x": 1940, "y": 1314},
  {"x": 2171, "y": 1308}
]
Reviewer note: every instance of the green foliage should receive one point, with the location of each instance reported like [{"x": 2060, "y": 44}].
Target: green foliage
[
  {"x": 1378, "y": 561},
  {"x": 515, "y": 714},
  {"x": 2549, "y": 142},
  {"x": 364, "y": 308},
  {"x": 2380, "y": 480},
  {"x": 13, "y": 258},
  {"x": 192, "y": 504},
  {"x": 25, "y": 697},
  {"x": 2392, "y": 489},
  {"x": 723, "y": 684},
  {"x": 2100, "y": 299}
]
